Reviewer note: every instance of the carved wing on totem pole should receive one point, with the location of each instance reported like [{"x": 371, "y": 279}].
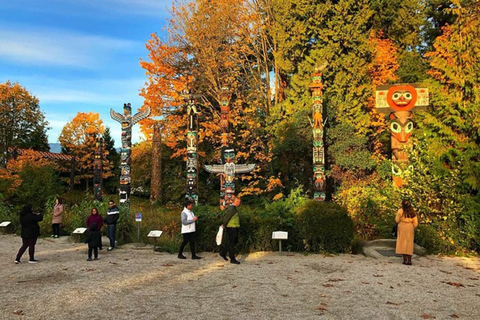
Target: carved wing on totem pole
[
  {"x": 244, "y": 168},
  {"x": 214, "y": 168},
  {"x": 236, "y": 168},
  {"x": 140, "y": 115},
  {"x": 117, "y": 116}
]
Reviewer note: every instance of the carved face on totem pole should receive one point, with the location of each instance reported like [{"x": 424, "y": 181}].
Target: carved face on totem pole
[{"x": 399, "y": 101}]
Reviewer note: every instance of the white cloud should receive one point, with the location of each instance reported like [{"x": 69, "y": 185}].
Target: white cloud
[{"x": 43, "y": 46}]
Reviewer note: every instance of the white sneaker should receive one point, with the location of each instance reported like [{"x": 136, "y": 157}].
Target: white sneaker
[
  {"x": 32, "y": 261},
  {"x": 17, "y": 261}
]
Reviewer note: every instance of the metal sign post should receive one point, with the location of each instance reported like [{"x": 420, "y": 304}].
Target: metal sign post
[{"x": 138, "y": 218}]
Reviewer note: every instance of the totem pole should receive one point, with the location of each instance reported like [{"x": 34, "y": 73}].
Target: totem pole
[
  {"x": 398, "y": 101},
  {"x": 192, "y": 141},
  {"x": 319, "y": 180},
  {"x": 127, "y": 122},
  {"x": 98, "y": 169},
  {"x": 227, "y": 169}
]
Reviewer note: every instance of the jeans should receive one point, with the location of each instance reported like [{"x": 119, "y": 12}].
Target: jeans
[{"x": 111, "y": 234}]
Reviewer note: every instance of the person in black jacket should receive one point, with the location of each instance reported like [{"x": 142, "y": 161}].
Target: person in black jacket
[
  {"x": 30, "y": 232},
  {"x": 94, "y": 240},
  {"x": 111, "y": 221}
]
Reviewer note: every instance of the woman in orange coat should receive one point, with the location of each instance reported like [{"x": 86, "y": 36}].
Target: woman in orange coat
[{"x": 407, "y": 222}]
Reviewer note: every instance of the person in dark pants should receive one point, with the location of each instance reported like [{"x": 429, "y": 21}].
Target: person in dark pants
[
  {"x": 232, "y": 223},
  {"x": 95, "y": 218},
  {"x": 94, "y": 240},
  {"x": 30, "y": 232},
  {"x": 111, "y": 221},
  {"x": 57, "y": 217},
  {"x": 188, "y": 229}
]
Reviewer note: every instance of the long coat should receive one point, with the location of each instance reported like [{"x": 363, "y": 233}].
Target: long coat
[
  {"x": 405, "y": 233},
  {"x": 57, "y": 213}
]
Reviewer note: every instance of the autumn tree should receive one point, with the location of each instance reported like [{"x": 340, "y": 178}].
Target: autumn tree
[
  {"x": 213, "y": 45},
  {"x": 29, "y": 178},
  {"x": 22, "y": 124},
  {"x": 78, "y": 139}
]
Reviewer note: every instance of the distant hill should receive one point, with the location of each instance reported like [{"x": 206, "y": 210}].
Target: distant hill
[{"x": 55, "y": 147}]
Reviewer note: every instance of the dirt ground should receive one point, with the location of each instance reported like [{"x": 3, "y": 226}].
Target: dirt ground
[{"x": 133, "y": 283}]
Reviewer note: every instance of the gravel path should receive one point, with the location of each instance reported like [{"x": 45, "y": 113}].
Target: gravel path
[{"x": 132, "y": 283}]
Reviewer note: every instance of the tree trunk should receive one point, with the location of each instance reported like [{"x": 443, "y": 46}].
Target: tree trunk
[{"x": 156, "y": 195}]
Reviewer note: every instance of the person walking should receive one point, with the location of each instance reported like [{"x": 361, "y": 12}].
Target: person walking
[
  {"x": 407, "y": 222},
  {"x": 94, "y": 217},
  {"x": 231, "y": 223},
  {"x": 30, "y": 232},
  {"x": 188, "y": 229},
  {"x": 57, "y": 217},
  {"x": 94, "y": 240},
  {"x": 113, "y": 214}
]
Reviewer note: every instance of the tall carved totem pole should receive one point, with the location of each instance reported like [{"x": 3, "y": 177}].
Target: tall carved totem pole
[
  {"x": 398, "y": 102},
  {"x": 192, "y": 141},
  {"x": 98, "y": 169},
  {"x": 319, "y": 179},
  {"x": 227, "y": 169},
  {"x": 127, "y": 122}
]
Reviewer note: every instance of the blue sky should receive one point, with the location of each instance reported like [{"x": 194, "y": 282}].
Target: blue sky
[{"x": 79, "y": 55}]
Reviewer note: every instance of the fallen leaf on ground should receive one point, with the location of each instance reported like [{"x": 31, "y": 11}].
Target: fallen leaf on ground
[
  {"x": 328, "y": 285},
  {"x": 447, "y": 272},
  {"x": 455, "y": 284},
  {"x": 393, "y": 303},
  {"x": 18, "y": 312},
  {"x": 454, "y": 316},
  {"x": 427, "y": 316},
  {"x": 378, "y": 275}
]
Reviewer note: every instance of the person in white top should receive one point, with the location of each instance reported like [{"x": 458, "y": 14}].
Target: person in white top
[{"x": 188, "y": 229}]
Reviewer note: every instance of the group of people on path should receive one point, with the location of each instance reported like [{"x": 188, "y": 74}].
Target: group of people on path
[
  {"x": 406, "y": 220},
  {"x": 231, "y": 223},
  {"x": 31, "y": 230}
]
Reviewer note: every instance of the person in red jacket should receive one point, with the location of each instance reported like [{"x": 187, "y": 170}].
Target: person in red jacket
[{"x": 97, "y": 219}]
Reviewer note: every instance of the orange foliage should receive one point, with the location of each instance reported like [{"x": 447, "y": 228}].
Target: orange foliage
[
  {"x": 15, "y": 166},
  {"x": 79, "y": 138},
  {"x": 382, "y": 70}
]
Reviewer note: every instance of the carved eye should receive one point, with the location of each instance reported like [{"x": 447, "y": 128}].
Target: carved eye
[
  {"x": 408, "y": 95},
  {"x": 395, "y": 127},
  {"x": 396, "y": 171},
  {"x": 396, "y": 96},
  {"x": 409, "y": 127}
]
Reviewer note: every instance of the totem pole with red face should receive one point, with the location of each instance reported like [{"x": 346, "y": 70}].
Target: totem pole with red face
[{"x": 399, "y": 101}]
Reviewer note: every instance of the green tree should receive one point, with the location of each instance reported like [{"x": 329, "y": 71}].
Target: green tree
[
  {"x": 111, "y": 183},
  {"x": 22, "y": 124}
]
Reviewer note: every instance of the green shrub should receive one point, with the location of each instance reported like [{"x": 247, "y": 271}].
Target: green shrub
[{"x": 325, "y": 227}]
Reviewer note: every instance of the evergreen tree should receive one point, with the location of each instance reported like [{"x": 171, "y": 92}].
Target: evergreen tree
[{"x": 113, "y": 157}]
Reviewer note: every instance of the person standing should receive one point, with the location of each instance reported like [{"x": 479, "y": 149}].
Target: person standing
[
  {"x": 407, "y": 222},
  {"x": 94, "y": 217},
  {"x": 30, "y": 232},
  {"x": 232, "y": 224},
  {"x": 94, "y": 240},
  {"x": 188, "y": 229},
  {"x": 57, "y": 217},
  {"x": 113, "y": 214}
]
